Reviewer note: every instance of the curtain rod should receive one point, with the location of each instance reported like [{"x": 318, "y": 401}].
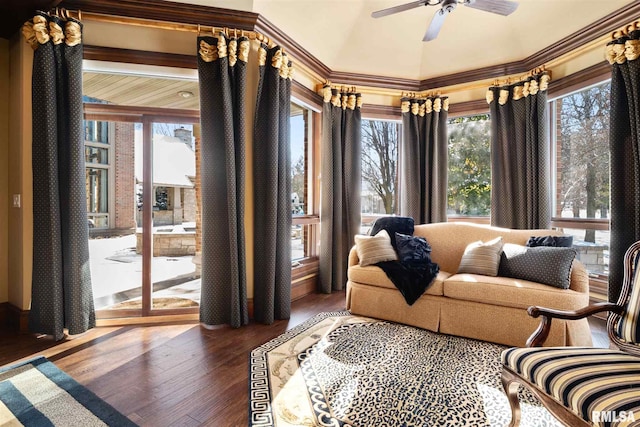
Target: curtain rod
[
  {"x": 422, "y": 95},
  {"x": 166, "y": 25},
  {"x": 523, "y": 77}
]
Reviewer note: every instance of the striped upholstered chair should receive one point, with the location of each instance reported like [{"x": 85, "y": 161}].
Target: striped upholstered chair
[{"x": 584, "y": 386}]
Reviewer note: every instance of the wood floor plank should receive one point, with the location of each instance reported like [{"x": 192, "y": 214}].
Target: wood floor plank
[{"x": 173, "y": 375}]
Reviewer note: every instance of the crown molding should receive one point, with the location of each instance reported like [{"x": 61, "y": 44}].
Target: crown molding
[
  {"x": 468, "y": 108},
  {"x": 15, "y": 12},
  {"x": 369, "y": 80},
  {"x": 591, "y": 75},
  {"x": 384, "y": 112},
  {"x": 210, "y": 16},
  {"x": 292, "y": 47},
  {"x": 600, "y": 28},
  {"x": 306, "y": 95},
  {"x": 490, "y": 72},
  {"x": 167, "y": 11}
]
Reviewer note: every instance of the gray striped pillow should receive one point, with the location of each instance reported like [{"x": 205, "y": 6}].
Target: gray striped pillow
[
  {"x": 374, "y": 249},
  {"x": 482, "y": 258}
]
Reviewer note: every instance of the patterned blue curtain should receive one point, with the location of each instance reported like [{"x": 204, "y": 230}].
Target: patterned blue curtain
[
  {"x": 61, "y": 295},
  {"x": 624, "y": 144},
  {"x": 222, "y": 69},
  {"x": 340, "y": 194},
  {"x": 272, "y": 188},
  {"x": 423, "y": 195},
  {"x": 520, "y": 155}
]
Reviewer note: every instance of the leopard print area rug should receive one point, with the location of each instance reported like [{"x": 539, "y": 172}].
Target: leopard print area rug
[{"x": 342, "y": 370}]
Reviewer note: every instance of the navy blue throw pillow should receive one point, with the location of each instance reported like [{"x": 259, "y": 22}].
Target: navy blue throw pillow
[
  {"x": 412, "y": 249},
  {"x": 393, "y": 225},
  {"x": 552, "y": 241}
]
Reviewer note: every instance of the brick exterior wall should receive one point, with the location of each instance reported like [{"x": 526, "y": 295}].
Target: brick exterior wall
[{"x": 124, "y": 170}]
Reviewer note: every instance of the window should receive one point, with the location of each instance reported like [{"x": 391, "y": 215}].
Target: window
[
  {"x": 97, "y": 151},
  {"x": 299, "y": 160},
  {"x": 379, "y": 195},
  {"x": 469, "y": 166},
  {"x": 580, "y": 135},
  {"x": 301, "y": 190}
]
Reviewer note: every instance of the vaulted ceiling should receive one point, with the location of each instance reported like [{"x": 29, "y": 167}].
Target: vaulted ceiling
[{"x": 343, "y": 35}]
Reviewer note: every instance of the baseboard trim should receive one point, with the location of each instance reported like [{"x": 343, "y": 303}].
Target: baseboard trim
[
  {"x": 17, "y": 319},
  {"x": 4, "y": 314},
  {"x": 304, "y": 286}
]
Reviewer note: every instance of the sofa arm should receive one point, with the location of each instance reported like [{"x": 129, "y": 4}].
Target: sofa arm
[
  {"x": 579, "y": 280},
  {"x": 353, "y": 257},
  {"x": 547, "y": 314}
]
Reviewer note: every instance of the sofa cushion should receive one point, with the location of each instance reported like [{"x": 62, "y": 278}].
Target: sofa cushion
[
  {"x": 449, "y": 239},
  {"x": 482, "y": 257},
  {"x": 374, "y": 276},
  {"x": 511, "y": 292},
  {"x": 548, "y": 265},
  {"x": 374, "y": 249}
]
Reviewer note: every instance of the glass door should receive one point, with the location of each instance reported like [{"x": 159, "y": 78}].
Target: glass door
[
  {"x": 112, "y": 157},
  {"x": 175, "y": 274},
  {"x": 140, "y": 155}
]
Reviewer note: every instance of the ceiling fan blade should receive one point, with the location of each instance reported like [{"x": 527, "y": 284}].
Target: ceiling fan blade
[
  {"x": 396, "y": 9},
  {"x": 435, "y": 25},
  {"x": 501, "y": 7}
]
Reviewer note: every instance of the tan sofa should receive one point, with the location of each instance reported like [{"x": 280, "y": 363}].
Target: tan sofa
[{"x": 474, "y": 306}]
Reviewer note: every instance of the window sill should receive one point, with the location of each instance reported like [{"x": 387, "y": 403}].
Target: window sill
[{"x": 472, "y": 219}]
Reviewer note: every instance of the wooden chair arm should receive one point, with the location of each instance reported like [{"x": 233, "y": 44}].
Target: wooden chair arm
[{"x": 547, "y": 314}]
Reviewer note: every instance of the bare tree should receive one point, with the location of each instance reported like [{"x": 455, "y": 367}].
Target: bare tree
[
  {"x": 379, "y": 160},
  {"x": 297, "y": 185},
  {"x": 585, "y": 153},
  {"x": 164, "y": 128}
]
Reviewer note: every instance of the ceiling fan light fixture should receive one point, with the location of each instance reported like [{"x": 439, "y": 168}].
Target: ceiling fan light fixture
[
  {"x": 448, "y": 6},
  {"x": 499, "y": 7}
]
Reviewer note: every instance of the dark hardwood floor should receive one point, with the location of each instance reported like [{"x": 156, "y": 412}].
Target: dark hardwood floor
[
  {"x": 167, "y": 375},
  {"x": 174, "y": 375}
]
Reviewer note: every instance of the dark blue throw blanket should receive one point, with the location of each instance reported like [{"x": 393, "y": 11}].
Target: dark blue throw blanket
[{"x": 414, "y": 272}]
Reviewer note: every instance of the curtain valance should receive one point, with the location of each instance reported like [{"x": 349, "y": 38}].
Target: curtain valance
[
  {"x": 624, "y": 48},
  {"x": 339, "y": 99},
  {"x": 43, "y": 28},
  {"x": 517, "y": 91},
  {"x": 420, "y": 106}
]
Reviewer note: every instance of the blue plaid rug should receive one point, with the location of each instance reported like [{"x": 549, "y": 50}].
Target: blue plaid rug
[{"x": 37, "y": 393}]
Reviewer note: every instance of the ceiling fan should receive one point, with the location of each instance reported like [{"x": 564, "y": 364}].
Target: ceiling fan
[{"x": 501, "y": 7}]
